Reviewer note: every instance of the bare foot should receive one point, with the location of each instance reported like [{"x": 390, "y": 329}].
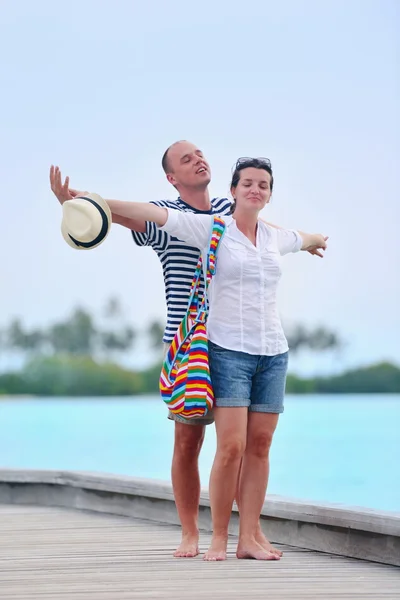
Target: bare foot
[
  {"x": 189, "y": 546},
  {"x": 249, "y": 548},
  {"x": 264, "y": 543},
  {"x": 217, "y": 549}
]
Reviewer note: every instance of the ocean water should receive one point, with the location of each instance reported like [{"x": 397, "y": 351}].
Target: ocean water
[{"x": 340, "y": 449}]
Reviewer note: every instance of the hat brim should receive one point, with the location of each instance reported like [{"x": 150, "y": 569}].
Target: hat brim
[{"x": 106, "y": 218}]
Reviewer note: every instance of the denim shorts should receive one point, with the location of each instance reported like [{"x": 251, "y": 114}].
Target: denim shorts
[{"x": 241, "y": 379}]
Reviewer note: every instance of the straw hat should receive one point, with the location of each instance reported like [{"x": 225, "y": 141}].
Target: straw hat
[{"x": 86, "y": 221}]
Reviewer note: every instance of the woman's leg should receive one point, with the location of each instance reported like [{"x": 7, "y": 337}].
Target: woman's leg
[
  {"x": 231, "y": 428},
  {"x": 253, "y": 485},
  {"x": 267, "y": 395},
  {"x": 260, "y": 536},
  {"x": 231, "y": 376}
]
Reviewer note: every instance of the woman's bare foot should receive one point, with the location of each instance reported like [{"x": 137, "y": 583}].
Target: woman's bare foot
[
  {"x": 264, "y": 543},
  {"x": 250, "y": 548},
  {"x": 189, "y": 546},
  {"x": 217, "y": 549}
]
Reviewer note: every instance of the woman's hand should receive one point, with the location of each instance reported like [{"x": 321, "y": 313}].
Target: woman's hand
[{"x": 314, "y": 243}]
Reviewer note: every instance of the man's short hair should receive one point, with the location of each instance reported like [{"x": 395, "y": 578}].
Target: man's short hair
[{"x": 164, "y": 161}]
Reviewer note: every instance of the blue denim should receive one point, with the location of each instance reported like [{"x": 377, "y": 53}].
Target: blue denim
[{"x": 241, "y": 379}]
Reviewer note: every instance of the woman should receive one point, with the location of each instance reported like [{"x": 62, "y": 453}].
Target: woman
[{"x": 248, "y": 350}]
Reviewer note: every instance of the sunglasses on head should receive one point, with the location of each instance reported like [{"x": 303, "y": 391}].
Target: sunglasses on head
[{"x": 244, "y": 160}]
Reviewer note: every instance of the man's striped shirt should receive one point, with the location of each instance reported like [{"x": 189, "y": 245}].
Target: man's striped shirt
[{"x": 178, "y": 260}]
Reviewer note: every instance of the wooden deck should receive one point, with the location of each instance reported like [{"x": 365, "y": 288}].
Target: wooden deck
[{"x": 58, "y": 554}]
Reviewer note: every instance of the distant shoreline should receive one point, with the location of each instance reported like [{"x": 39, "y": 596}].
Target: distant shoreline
[
  {"x": 82, "y": 376},
  {"x": 153, "y": 395}
]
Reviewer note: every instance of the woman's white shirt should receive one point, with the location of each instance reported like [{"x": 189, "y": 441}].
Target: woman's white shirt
[{"x": 243, "y": 313}]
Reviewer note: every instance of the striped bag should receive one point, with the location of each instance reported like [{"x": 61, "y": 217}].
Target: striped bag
[{"x": 185, "y": 383}]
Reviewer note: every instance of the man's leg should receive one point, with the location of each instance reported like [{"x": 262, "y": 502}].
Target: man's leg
[{"x": 186, "y": 484}]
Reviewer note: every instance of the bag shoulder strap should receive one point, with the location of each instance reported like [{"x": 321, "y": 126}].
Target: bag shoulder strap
[{"x": 218, "y": 228}]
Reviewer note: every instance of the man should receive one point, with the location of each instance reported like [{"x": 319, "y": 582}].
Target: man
[{"x": 188, "y": 171}]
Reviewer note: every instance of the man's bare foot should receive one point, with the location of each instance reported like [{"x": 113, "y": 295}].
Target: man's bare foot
[
  {"x": 189, "y": 546},
  {"x": 217, "y": 549},
  {"x": 264, "y": 543},
  {"x": 250, "y": 548}
]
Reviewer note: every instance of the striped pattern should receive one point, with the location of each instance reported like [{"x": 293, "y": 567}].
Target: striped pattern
[
  {"x": 185, "y": 382},
  {"x": 178, "y": 260}
]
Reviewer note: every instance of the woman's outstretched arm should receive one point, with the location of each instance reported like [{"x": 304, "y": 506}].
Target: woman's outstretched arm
[
  {"x": 191, "y": 228},
  {"x": 139, "y": 211}
]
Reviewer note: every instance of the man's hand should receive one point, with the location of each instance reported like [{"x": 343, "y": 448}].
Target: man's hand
[{"x": 61, "y": 190}]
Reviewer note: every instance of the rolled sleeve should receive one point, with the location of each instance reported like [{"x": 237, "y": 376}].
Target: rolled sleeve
[
  {"x": 289, "y": 240},
  {"x": 194, "y": 229}
]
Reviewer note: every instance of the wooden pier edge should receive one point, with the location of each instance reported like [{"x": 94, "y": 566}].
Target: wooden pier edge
[{"x": 346, "y": 531}]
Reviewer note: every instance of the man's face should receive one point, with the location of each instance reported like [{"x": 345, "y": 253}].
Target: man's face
[{"x": 188, "y": 167}]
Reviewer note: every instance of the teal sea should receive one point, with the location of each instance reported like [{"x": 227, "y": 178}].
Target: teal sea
[{"x": 341, "y": 449}]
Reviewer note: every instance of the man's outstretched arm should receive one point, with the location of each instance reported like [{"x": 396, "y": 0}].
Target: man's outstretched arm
[{"x": 63, "y": 192}]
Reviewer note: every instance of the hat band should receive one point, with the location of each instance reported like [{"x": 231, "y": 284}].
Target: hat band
[{"x": 103, "y": 230}]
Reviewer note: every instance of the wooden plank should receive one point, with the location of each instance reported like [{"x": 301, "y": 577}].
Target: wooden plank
[{"x": 58, "y": 554}]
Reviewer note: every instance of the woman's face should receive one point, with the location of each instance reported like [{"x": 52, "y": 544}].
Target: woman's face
[{"x": 253, "y": 190}]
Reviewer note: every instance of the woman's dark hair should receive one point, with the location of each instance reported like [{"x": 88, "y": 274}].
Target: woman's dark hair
[{"x": 245, "y": 163}]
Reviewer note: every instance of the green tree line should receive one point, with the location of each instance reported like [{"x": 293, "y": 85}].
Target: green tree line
[
  {"x": 81, "y": 334},
  {"x": 77, "y": 335},
  {"x": 83, "y": 376},
  {"x": 80, "y": 356}
]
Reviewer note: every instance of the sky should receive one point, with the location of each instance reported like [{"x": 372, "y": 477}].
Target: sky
[{"x": 103, "y": 88}]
